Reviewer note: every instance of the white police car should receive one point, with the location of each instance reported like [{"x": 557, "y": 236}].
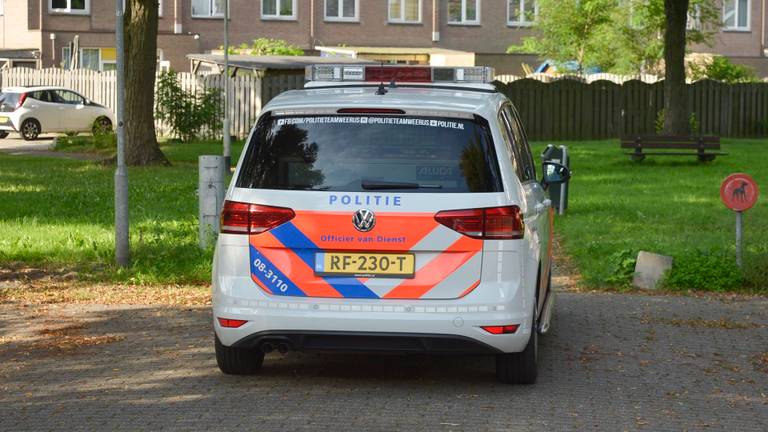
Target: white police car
[{"x": 386, "y": 209}]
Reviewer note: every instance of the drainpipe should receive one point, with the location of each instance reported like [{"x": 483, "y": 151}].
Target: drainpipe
[
  {"x": 762, "y": 29},
  {"x": 176, "y": 23},
  {"x": 435, "y": 28},
  {"x": 311, "y": 24}
]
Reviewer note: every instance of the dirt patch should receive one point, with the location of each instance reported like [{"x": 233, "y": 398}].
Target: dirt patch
[
  {"x": 722, "y": 323},
  {"x": 51, "y": 292},
  {"x": 565, "y": 274},
  {"x": 760, "y": 361},
  {"x": 66, "y": 338}
]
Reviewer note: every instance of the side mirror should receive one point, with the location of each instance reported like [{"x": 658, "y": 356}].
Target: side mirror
[{"x": 555, "y": 173}]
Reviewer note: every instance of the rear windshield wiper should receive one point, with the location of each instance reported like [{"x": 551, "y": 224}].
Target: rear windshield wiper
[{"x": 383, "y": 185}]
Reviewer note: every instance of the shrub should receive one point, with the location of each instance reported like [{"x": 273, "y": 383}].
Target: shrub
[
  {"x": 267, "y": 46},
  {"x": 692, "y": 120},
  {"x": 722, "y": 69},
  {"x": 621, "y": 267},
  {"x": 100, "y": 141},
  {"x": 709, "y": 271},
  {"x": 188, "y": 115}
]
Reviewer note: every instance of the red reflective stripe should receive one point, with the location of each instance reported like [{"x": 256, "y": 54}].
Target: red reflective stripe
[
  {"x": 436, "y": 270},
  {"x": 299, "y": 272},
  {"x": 335, "y": 231},
  {"x": 470, "y": 289}
]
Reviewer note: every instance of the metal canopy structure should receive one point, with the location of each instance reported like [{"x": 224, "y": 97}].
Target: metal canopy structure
[
  {"x": 15, "y": 57},
  {"x": 261, "y": 64}
]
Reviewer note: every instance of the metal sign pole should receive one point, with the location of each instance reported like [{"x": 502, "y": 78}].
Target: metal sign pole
[
  {"x": 122, "y": 247},
  {"x": 739, "y": 233},
  {"x": 227, "y": 137}
]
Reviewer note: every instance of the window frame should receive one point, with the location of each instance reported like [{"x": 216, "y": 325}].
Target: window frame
[
  {"x": 736, "y": 27},
  {"x": 402, "y": 19},
  {"x": 279, "y": 17},
  {"x": 217, "y": 15},
  {"x": 341, "y": 17},
  {"x": 464, "y": 21},
  {"x": 522, "y": 3},
  {"x": 68, "y": 10}
]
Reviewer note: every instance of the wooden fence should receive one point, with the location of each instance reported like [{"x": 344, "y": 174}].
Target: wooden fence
[
  {"x": 569, "y": 109},
  {"x": 559, "y": 110},
  {"x": 245, "y": 91}
]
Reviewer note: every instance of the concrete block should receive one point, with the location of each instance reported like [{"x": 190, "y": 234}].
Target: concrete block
[{"x": 649, "y": 269}]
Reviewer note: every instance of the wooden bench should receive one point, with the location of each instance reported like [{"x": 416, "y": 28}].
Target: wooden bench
[{"x": 703, "y": 146}]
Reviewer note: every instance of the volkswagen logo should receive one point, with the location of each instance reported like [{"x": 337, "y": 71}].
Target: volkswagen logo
[{"x": 364, "y": 220}]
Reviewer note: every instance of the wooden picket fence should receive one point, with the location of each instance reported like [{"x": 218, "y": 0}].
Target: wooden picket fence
[
  {"x": 569, "y": 109},
  {"x": 245, "y": 91},
  {"x": 587, "y": 78}
]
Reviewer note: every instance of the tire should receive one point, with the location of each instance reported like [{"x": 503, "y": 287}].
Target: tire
[
  {"x": 521, "y": 368},
  {"x": 3, "y": 134},
  {"x": 237, "y": 361},
  {"x": 101, "y": 126},
  {"x": 30, "y": 129}
]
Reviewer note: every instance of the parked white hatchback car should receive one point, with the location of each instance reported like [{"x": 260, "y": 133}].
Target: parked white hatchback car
[
  {"x": 31, "y": 111},
  {"x": 387, "y": 210}
]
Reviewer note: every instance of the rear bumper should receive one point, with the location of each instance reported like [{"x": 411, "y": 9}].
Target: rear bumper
[
  {"x": 373, "y": 325},
  {"x": 366, "y": 342}
]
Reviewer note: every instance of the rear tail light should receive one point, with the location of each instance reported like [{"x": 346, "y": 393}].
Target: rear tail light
[
  {"x": 496, "y": 223},
  {"x": 22, "y": 98},
  {"x": 505, "y": 329},
  {"x": 231, "y": 323},
  {"x": 244, "y": 218}
]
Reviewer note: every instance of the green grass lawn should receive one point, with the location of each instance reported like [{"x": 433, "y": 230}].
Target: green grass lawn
[
  {"x": 667, "y": 205},
  {"x": 58, "y": 214}
]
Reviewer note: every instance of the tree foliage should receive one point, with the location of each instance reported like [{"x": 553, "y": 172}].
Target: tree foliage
[
  {"x": 722, "y": 69},
  {"x": 620, "y": 37},
  {"x": 188, "y": 115},
  {"x": 268, "y": 46},
  {"x": 569, "y": 30}
]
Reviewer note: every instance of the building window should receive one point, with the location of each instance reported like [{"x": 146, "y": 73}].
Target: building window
[
  {"x": 522, "y": 13},
  {"x": 160, "y": 8},
  {"x": 79, "y": 7},
  {"x": 405, "y": 11},
  {"x": 342, "y": 10},
  {"x": 88, "y": 58},
  {"x": 694, "y": 18},
  {"x": 278, "y": 9},
  {"x": 463, "y": 11},
  {"x": 736, "y": 14},
  {"x": 208, "y": 8},
  {"x": 2, "y": 7}
]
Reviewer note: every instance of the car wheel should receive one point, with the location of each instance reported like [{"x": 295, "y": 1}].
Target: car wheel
[
  {"x": 101, "y": 126},
  {"x": 3, "y": 134},
  {"x": 520, "y": 368},
  {"x": 30, "y": 129},
  {"x": 237, "y": 361}
]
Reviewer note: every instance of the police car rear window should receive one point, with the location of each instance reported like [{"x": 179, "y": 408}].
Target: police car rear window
[{"x": 357, "y": 153}]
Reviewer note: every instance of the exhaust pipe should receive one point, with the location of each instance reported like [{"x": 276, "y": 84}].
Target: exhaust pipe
[
  {"x": 267, "y": 347},
  {"x": 282, "y": 347}
]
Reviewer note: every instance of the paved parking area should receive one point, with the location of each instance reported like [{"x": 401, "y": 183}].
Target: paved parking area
[{"x": 612, "y": 362}]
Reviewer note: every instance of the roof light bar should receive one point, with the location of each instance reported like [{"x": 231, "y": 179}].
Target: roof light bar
[{"x": 400, "y": 74}]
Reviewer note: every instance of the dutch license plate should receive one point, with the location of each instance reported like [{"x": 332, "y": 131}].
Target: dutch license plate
[
  {"x": 365, "y": 264},
  {"x": 3, "y": 119}
]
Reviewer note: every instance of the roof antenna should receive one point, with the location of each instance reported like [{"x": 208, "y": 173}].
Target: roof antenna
[{"x": 381, "y": 91}]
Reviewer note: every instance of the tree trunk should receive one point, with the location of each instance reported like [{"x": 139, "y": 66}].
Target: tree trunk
[
  {"x": 141, "y": 146},
  {"x": 676, "y": 111}
]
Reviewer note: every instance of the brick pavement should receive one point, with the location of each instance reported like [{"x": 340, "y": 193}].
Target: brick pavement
[{"x": 612, "y": 362}]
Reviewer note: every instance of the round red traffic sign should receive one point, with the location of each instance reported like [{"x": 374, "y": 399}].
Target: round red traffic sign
[{"x": 739, "y": 192}]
